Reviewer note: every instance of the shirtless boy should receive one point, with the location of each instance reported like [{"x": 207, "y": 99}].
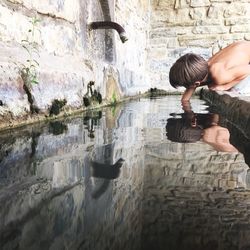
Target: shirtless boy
[{"x": 222, "y": 71}]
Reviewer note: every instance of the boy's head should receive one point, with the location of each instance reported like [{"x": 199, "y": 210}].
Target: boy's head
[{"x": 188, "y": 70}]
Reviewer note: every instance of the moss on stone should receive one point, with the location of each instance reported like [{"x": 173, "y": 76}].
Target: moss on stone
[{"x": 57, "y": 106}]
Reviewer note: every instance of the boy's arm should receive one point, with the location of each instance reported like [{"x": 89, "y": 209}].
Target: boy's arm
[{"x": 187, "y": 94}]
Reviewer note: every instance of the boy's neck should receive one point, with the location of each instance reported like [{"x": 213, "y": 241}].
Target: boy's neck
[{"x": 209, "y": 80}]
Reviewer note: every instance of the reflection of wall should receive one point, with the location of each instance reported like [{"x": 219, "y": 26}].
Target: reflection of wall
[
  {"x": 194, "y": 198},
  {"x": 72, "y": 220},
  {"x": 52, "y": 205}
]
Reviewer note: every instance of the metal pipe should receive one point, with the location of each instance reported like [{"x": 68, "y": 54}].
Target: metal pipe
[{"x": 110, "y": 25}]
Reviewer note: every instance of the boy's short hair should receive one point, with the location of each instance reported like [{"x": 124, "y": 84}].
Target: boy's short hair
[{"x": 187, "y": 70}]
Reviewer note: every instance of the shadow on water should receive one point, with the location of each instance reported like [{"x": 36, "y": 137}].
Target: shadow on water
[{"x": 149, "y": 174}]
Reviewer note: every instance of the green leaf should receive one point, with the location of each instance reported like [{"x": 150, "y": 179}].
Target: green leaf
[{"x": 35, "y": 81}]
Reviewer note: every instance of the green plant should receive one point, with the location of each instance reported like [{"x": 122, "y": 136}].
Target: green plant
[
  {"x": 29, "y": 71},
  {"x": 113, "y": 110},
  {"x": 57, "y": 106},
  {"x": 113, "y": 99}
]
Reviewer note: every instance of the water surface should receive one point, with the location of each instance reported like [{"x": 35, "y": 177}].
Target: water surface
[{"x": 142, "y": 175}]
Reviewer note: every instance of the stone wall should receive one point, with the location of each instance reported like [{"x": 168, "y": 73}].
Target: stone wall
[
  {"x": 204, "y": 27},
  {"x": 66, "y": 55}
]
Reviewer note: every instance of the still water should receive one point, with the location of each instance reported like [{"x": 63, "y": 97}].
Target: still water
[{"x": 148, "y": 174}]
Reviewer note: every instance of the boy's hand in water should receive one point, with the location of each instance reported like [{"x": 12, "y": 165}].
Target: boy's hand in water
[{"x": 186, "y": 106}]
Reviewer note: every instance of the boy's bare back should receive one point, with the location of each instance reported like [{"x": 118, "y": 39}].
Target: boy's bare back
[{"x": 230, "y": 65}]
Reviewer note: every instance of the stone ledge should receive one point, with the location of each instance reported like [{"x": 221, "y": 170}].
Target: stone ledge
[{"x": 235, "y": 108}]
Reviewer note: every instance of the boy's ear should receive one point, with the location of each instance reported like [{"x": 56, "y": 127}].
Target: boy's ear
[{"x": 197, "y": 84}]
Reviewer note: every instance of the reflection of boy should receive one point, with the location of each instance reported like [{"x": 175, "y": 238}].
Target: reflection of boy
[
  {"x": 188, "y": 128},
  {"x": 218, "y": 138},
  {"x": 193, "y": 127}
]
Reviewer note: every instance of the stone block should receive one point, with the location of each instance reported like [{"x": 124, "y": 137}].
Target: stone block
[
  {"x": 164, "y": 3},
  {"x": 203, "y": 41},
  {"x": 14, "y": 26},
  {"x": 172, "y": 43},
  {"x": 199, "y": 3},
  {"x": 235, "y": 10},
  {"x": 181, "y": 31},
  {"x": 12, "y": 94},
  {"x": 164, "y": 32},
  {"x": 167, "y": 42},
  {"x": 197, "y": 13},
  {"x": 157, "y": 53},
  {"x": 238, "y": 167},
  {"x": 67, "y": 9},
  {"x": 231, "y": 184},
  {"x": 226, "y": 39},
  {"x": 55, "y": 85},
  {"x": 159, "y": 17},
  {"x": 222, "y": 1},
  {"x": 58, "y": 39},
  {"x": 223, "y": 157},
  {"x": 173, "y": 18},
  {"x": 210, "y": 30},
  {"x": 15, "y": 1},
  {"x": 214, "y": 12},
  {"x": 208, "y": 22},
  {"x": 247, "y": 37},
  {"x": 240, "y": 29},
  {"x": 174, "y": 54},
  {"x": 237, "y": 21}
]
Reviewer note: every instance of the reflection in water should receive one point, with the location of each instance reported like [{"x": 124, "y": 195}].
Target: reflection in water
[
  {"x": 106, "y": 172},
  {"x": 90, "y": 120},
  {"x": 192, "y": 127},
  {"x": 215, "y": 130},
  {"x": 112, "y": 179},
  {"x": 57, "y": 127},
  {"x": 218, "y": 138},
  {"x": 103, "y": 170},
  {"x": 238, "y": 136}
]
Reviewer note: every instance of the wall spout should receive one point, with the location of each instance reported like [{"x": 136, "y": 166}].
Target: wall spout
[{"x": 110, "y": 25}]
